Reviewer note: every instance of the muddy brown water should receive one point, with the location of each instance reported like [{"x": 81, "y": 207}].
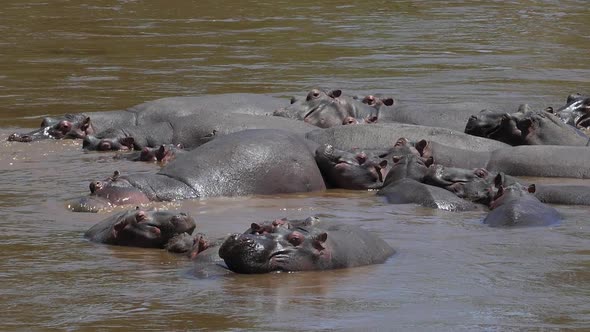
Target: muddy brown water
[{"x": 450, "y": 271}]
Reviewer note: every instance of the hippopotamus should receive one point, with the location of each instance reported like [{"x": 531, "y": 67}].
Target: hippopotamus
[
  {"x": 249, "y": 162},
  {"x": 525, "y": 127},
  {"x": 384, "y": 135},
  {"x": 326, "y": 109},
  {"x": 347, "y": 170},
  {"x": 563, "y": 194},
  {"x": 81, "y": 124},
  {"x": 139, "y": 228},
  {"x": 576, "y": 112},
  {"x": 444, "y": 115},
  {"x": 514, "y": 205},
  {"x": 407, "y": 190},
  {"x": 302, "y": 246},
  {"x": 189, "y": 131}
]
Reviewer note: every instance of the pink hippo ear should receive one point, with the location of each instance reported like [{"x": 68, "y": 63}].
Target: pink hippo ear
[
  {"x": 388, "y": 101},
  {"x": 128, "y": 142},
  {"x": 85, "y": 125},
  {"x": 119, "y": 226},
  {"x": 140, "y": 215},
  {"x": 335, "y": 93},
  {"x": 532, "y": 188},
  {"x": 319, "y": 240}
]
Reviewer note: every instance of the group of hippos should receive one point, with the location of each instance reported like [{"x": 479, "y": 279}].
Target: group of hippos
[{"x": 454, "y": 157}]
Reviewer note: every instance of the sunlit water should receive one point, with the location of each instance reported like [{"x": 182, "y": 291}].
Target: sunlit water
[{"x": 450, "y": 271}]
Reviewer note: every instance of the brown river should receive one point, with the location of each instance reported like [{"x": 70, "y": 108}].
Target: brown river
[{"x": 450, "y": 271}]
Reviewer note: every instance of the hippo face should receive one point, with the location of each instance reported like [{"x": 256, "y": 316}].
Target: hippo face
[
  {"x": 142, "y": 228},
  {"x": 285, "y": 249},
  {"x": 347, "y": 170},
  {"x": 109, "y": 140},
  {"x": 576, "y": 113},
  {"x": 408, "y": 166},
  {"x": 117, "y": 190},
  {"x": 70, "y": 126},
  {"x": 544, "y": 128},
  {"x": 496, "y": 125}
]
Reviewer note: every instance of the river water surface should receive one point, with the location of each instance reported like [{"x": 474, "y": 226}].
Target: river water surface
[{"x": 450, "y": 271}]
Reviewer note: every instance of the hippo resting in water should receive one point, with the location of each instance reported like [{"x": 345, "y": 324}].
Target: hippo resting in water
[
  {"x": 514, "y": 205},
  {"x": 188, "y": 131},
  {"x": 525, "y": 127},
  {"x": 326, "y": 109},
  {"x": 81, "y": 124},
  {"x": 140, "y": 228},
  {"x": 259, "y": 161},
  {"x": 301, "y": 245}
]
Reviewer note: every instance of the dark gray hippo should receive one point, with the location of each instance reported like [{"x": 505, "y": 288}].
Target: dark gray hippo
[
  {"x": 138, "y": 228},
  {"x": 525, "y": 127},
  {"x": 384, "y": 135},
  {"x": 81, "y": 124},
  {"x": 563, "y": 194},
  {"x": 347, "y": 170},
  {"x": 250, "y": 162},
  {"x": 515, "y": 206},
  {"x": 326, "y": 109},
  {"x": 189, "y": 131},
  {"x": 303, "y": 246}
]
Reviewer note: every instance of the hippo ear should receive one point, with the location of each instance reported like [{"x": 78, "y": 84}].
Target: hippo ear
[
  {"x": 119, "y": 226},
  {"x": 388, "y": 101},
  {"x": 140, "y": 215},
  {"x": 127, "y": 141},
  {"x": 429, "y": 161},
  {"x": 532, "y": 188},
  {"x": 335, "y": 93},
  {"x": 85, "y": 124},
  {"x": 293, "y": 100},
  {"x": 255, "y": 228},
  {"x": 319, "y": 240},
  {"x": 421, "y": 147},
  {"x": 499, "y": 179},
  {"x": 549, "y": 110}
]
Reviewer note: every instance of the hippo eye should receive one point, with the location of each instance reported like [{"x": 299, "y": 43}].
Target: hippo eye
[
  {"x": 481, "y": 173},
  {"x": 295, "y": 238}
]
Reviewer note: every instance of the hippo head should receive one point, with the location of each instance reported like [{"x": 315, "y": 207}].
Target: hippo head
[
  {"x": 505, "y": 191},
  {"x": 408, "y": 166},
  {"x": 576, "y": 113},
  {"x": 497, "y": 125},
  {"x": 70, "y": 126},
  {"x": 287, "y": 248},
  {"x": 348, "y": 170},
  {"x": 141, "y": 228},
  {"x": 116, "y": 190},
  {"x": 108, "y": 140},
  {"x": 545, "y": 128}
]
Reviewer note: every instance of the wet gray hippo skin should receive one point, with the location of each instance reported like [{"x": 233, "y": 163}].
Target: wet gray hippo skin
[
  {"x": 342, "y": 169},
  {"x": 380, "y": 136},
  {"x": 563, "y": 194},
  {"x": 326, "y": 109},
  {"x": 451, "y": 116},
  {"x": 405, "y": 191},
  {"x": 140, "y": 228},
  {"x": 525, "y": 127},
  {"x": 515, "y": 206},
  {"x": 250, "y": 162},
  {"x": 82, "y": 124},
  {"x": 301, "y": 247},
  {"x": 189, "y": 131}
]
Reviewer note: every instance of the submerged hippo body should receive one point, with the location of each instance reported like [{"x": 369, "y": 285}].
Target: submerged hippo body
[
  {"x": 141, "y": 228},
  {"x": 515, "y": 206},
  {"x": 81, "y": 124},
  {"x": 302, "y": 246},
  {"x": 188, "y": 131},
  {"x": 260, "y": 161}
]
